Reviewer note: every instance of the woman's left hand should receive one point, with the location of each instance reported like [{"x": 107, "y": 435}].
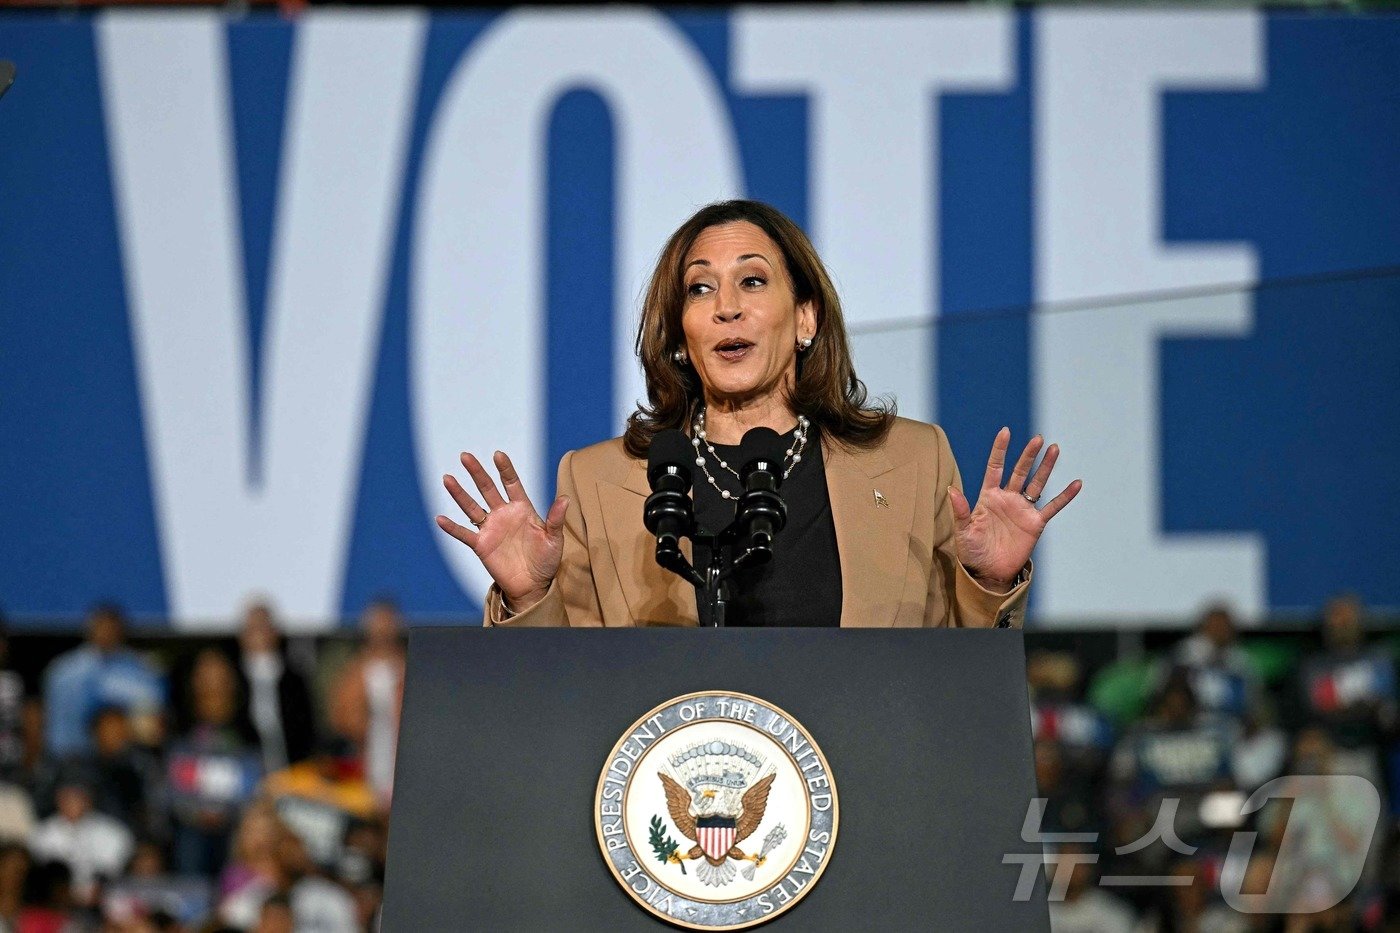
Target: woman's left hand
[{"x": 995, "y": 540}]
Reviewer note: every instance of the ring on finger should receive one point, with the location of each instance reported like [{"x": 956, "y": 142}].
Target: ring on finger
[
  {"x": 1031, "y": 499},
  {"x": 478, "y": 522}
]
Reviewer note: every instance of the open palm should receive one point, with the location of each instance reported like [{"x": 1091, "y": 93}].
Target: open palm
[
  {"x": 519, "y": 550},
  {"x": 995, "y": 540}
]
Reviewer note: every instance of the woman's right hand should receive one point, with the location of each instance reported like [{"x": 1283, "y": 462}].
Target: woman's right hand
[{"x": 520, "y": 550}]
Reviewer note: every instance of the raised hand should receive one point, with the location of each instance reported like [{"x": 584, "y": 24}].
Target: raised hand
[
  {"x": 995, "y": 540},
  {"x": 520, "y": 550}
]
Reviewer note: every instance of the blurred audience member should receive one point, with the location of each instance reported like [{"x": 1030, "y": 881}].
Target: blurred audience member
[
  {"x": 1193, "y": 904},
  {"x": 1330, "y": 835},
  {"x": 1059, "y": 715},
  {"x": 368, "y": 695},
  {"x": 49, "y": 908},
  {"x": 147, "y": 861},
  {"x": 95, "y": 847},
  {"x": 1222, "y": 676},
  {"x": 101, "y": 672},
  {"x": 1179, "y": 753},
  {"x": 16, "y": 814},
  {"x": 1225, "y": 682},
  {"x": 276, "y": 916},
  {"x": 361, "y": 869},
  {"x": 1260, "y": 752},
  {"x": 318, "y": 905},
  {"x": 11, "y": 713},
  {"x": 1215, "y": 643},
  {"x": 14, "y": 877},
  {"x": 322, "y": 797},
  {"x": 32, "y": 734},
  {"x": 1349, "y": 690},
  {"x": 129, "y": 785},
  {"x": 214, "y": 767},
  {"x": 271, "y": 866},
  {"x": 1070, "y": 805},
  {"x": 252, "y": 873},
  {"x": 278, "y": 701},
  {"x": 1086, "y": 908}
]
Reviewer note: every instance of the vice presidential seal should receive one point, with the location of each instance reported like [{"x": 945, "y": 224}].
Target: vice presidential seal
[{"x": 716, "y": 811}]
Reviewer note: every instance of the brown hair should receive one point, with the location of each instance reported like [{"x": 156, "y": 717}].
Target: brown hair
[{"x": 826, "y": 391}]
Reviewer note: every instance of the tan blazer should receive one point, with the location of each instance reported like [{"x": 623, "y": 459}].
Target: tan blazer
[{"x": 898, "y": 565}]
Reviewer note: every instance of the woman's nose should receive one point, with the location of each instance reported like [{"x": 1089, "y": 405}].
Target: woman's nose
[{"x": 727, "y": 308}]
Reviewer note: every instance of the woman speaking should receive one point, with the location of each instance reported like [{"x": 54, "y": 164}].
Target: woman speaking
[{"x": 741, "y": 328}]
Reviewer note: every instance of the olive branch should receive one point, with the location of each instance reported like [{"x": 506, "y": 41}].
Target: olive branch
[{"x": 664, "y": 846}]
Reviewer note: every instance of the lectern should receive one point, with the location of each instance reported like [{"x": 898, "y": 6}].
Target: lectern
[{"x": 524, "y": 753}]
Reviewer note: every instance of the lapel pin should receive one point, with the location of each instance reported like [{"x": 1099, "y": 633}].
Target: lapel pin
[{"x": 880, "y": 501}]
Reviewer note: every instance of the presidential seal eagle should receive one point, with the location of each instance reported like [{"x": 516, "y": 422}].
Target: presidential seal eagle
[{"x": 716, "y": 793}]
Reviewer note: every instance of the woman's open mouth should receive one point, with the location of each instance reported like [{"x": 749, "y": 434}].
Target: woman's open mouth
[{"x": 733, "y": 349}]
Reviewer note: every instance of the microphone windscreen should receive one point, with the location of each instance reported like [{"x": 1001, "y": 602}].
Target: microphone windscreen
[
  {"x": 7, "y": 76},
  {"x": 669, "y": 448},
  {"x": 762, "y": 444}
]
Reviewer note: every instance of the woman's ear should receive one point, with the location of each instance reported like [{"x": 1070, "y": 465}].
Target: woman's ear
[{"x": 806, "y": 320}]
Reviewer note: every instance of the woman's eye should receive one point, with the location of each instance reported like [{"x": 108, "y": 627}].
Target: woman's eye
[
  {"x": 754, "y": 281},
  {"x": 696, "y": 289}
]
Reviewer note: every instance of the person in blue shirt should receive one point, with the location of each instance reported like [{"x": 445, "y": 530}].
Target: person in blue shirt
[{"x": 101, "y": 672}]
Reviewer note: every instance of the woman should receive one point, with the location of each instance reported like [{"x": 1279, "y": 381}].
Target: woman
[
  {"x": 742, "y": 328},
  {"x": 276, "y": 700},
  {"x": 367, "y": 698},
  {"x": 212, "y": 768}
]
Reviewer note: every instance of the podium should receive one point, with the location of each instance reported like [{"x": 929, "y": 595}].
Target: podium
[{"x": 508, "y": 735}]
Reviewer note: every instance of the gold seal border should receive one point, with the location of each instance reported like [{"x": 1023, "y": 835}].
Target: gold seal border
[{"x": 617, "y": 876}]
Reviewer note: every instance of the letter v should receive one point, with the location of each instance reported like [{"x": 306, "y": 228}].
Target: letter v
[{"x": 281, "y": 530}]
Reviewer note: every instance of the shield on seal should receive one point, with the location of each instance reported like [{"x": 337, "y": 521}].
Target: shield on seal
[{"x": 715, "y": 835}]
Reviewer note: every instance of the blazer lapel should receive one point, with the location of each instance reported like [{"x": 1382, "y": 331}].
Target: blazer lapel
[
  {"x": 654, "y": 596},
  {"x": 872, "y": 533}
]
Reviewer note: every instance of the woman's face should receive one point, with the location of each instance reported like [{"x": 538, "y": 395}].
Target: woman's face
[{"x": 741, "y": 319}]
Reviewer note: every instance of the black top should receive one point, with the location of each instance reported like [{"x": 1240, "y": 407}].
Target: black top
[{"x": 801, "y": 585}]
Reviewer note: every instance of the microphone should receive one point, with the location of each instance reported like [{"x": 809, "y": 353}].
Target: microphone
[
  {"x": 761, "y": 513},
  {"x": 669, "y": 512},
  {"x": 7, "y": 76}
]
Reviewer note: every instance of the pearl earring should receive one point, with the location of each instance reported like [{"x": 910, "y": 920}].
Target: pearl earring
[
  {"x": 679, "y": 356},
  {"x": 805, "y": 343}
]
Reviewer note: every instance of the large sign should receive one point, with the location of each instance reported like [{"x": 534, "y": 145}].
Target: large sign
[{"x": 260, "y": 282}]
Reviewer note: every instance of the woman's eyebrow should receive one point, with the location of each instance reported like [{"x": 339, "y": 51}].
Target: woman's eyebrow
[{"x": 743, "y": 258}]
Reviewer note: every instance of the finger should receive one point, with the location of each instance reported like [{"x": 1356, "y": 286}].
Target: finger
[
  {"x": 489, "y": 492},
  {"x": 1053, "y": 507},
  {"x": 554, "y": 521},
  {"x": 464, "y": 501},
  {"x": 1024, "y": 463},
  {"x": 997, "y": 460},
  {"x": 962, "y": 512},
  {"x": 1042, "y": 473},
  {"x": 510, "y": 480},
  {"x": 465, "y": 535}
]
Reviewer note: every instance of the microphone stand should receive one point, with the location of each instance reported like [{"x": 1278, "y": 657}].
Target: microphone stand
[{"x": 715, "y": 579}]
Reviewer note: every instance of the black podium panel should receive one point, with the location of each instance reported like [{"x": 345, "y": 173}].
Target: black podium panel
[{"x": 505, "y": 733}]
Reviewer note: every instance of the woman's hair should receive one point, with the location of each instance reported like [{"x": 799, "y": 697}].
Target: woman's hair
[{"x": 826, "y": 391}]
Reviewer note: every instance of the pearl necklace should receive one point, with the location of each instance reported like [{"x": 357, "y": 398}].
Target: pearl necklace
[{"x": 698, "y": 437}]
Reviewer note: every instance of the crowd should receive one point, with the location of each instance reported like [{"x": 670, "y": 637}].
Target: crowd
[
  {"x": 1145, "y": 767},
  {"x": 227, "y": 789},
  {"x": 240, "y": 786}
]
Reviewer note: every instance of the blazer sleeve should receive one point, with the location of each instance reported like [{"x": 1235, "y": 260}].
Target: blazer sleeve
[
  {"x": 572, "y": 598},
  {"x": 963, "y": 602}
]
